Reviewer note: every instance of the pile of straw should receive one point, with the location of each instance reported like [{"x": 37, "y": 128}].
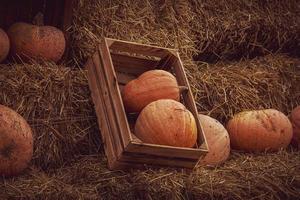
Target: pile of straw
[
  {"x": 233, "y": 29},
  {"x": 224, "y": 89},
  {"x": 153, "y": 22},
  {"x": 208, "y": 30},
  {"x": 56, "y": 102},
  {"x": 265, "y": 176}
]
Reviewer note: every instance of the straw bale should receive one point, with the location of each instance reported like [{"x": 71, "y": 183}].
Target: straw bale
[
  {"x": 57, "y": 104},
  {"x": 223, "y": 89}
]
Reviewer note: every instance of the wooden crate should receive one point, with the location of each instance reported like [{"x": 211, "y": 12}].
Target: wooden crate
[
  {"x": 113, "y": 65},
  {"x": 56, "y": 13}
]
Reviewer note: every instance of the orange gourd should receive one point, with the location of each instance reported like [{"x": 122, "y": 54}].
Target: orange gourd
[
  {"x": 16, "y": 142},
  {"x": 148, "y": 87},
  {"x": 4, "y": 45},
  {"x": 295, "y": 119},
  {"x": 259, "y": 130},
  {"x": 217, "y": 140},
  {"x": 166, "y": 122},
  {"x": 36, "y": 42}
]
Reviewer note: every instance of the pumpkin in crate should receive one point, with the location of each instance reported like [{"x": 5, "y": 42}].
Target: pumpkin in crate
[
  {"x": 260, "y": 130},
  {"x": 217, "y": 140},
  {"x": 295, "y": 119},
  {"x": 4, "y": 45},
  {"x": 166, "y": 122},
  {"x": 16, "y": 142},
  {"x": 36, "y": 42},
  {"x": 148, "y": 87}
]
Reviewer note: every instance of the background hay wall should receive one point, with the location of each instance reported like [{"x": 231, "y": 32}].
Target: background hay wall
[
  {"x": 233, "y": 29},
  {"x": 206, "y": 30},
  {"x": 223, "y": 89}
]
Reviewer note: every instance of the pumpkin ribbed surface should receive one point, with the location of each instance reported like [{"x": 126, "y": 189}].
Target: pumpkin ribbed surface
[
  {"x": 16, "y": 142},
  {"x": 148, "y": 87},
  {"x": 166, "y": 122},
  {"x": 217, "y": 140},
  {"x": 260, "y": 130},
  {"x": 37, "y": 42}
]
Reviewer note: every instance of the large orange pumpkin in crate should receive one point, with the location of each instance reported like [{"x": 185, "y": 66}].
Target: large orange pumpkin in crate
[
  {"x": 166, "y": 122},
  {"x": 260, "y": 130},
  {"x": 16, "y": 142},
  {"x": 36, "y": 42},
  {"x": 217, "y": 140},
  {"x": 4, "y": 45},
  {"x": 295, "y": 119},
  {"x": 148, "y": 87}
]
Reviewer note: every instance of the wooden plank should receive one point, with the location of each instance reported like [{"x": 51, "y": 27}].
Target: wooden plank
[
  {"x": 115, "y": 94},
  {"x": 141, "y": 49},
  {"x": 189, "y": 101},
  {"x": 131, "y": 64},
  {"x": 164, "y": 150},
  {"x": 156, "y": 160},
  {"x": 100, "y": 108},
  {"x": 106, "y": 107}
]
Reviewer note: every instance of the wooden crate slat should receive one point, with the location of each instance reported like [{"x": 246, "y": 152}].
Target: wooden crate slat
[
  {"x": 189, "y": 100},
  {"x": 131, "y": 64},
  {"x": 103, "y": 101},
  {"x": 164, "y": 151},
  {"x": 115, "y": 94},
  {"x": 156, "y": 160},
  {"x": 138, "y": 48}
]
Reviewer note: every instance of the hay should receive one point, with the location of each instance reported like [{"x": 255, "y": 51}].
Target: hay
[
  {"x": 154, "y": 22},
  {"x": 205, "y": 30},
  {"x": 224, "y": 89},
  {"x": 234, "y": 29},
  {"x": 56, "y": 102},
  {"x": 264, "y": 176}
]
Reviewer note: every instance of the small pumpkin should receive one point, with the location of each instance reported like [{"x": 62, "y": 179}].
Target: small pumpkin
[
  {"x": 217, "y": 140},
  {"x": 166, "y": 122},
  {"x": 36, "y": 42},
  {"x": 148, "y": 87},
  {"x": 260, "y": 130},
  {"x": 16, "y": 142},
  {"x": 295, "y": 119},
  {"x": 4, "y": 45}
]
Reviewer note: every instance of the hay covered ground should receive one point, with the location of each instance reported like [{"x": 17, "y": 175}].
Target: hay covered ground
[{"x": 69, "y": 161}]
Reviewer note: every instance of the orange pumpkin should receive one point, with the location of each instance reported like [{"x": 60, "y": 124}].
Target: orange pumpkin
[
  {"x": 16, "y": 142},
  {"x": 295, "y": 119},
  {"x": 4, "y": 45},
  {"x": 217, "y": 140},
  {"x": 260, "y": 130},
  {"x": 166, "y": 122},
  {"x": 37, "y": 42},
  {"x": 148, "y": 87}
]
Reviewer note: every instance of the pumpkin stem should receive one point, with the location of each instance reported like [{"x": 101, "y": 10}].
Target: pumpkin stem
[{"x": 183, "y": 89}]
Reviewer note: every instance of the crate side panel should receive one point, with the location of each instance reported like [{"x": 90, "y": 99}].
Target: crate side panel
[
  {"x": 115, "y": 95},
  {"x": 156, "y": 160},
  {"x": 105, "y": 108},
  {"x": 189, "y": 101},
  {"x": 165, "y": 151},
  {"x": 140, "y": 49},
  {"x": 131, "y": 64}
]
